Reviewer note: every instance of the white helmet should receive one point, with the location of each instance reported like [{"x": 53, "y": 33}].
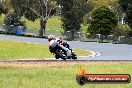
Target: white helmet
[{"x": 50, "y": 37}]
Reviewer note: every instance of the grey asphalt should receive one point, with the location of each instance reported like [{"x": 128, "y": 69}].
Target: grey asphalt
[{"x": 107, "y": 51}]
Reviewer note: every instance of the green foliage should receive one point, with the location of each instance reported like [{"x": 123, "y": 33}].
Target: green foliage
[
  {"x": 33, "y": 9},
  {"x": 23, "y": 7},
  {"x": 1, "y": 9},
  {"x": 4, "y": 8},
  {"x": 126, "y": 6},
  {"x": 72, "y": 12},
  {"x": 15, "y": 20},
  {"x": 130, "y": 33},
  {"x": 123, "y": 5},
  {"x": 122, "y": 30},
  {"x": 100, "y": 2},
  {"x": 103, "y": 21}
]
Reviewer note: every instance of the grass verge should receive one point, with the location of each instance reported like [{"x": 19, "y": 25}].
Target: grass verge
[
  {"x": 54, "y": 24},
  {"x": 60, "y": 76},
  {"x": 21, "y": 50}
]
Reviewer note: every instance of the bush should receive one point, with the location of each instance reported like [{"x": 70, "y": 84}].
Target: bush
[
  {"x": 12, "y": 21},
  {"x": 89, "y": 30},
  {"x": 130, "y": 33},
  {"x": 122, "y": 30},
  {"x": 104, "y": 21}
]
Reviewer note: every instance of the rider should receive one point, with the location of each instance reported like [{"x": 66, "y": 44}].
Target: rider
[
  {"x": 56, "y": 41},
  {"x": 61, "y": 42}
]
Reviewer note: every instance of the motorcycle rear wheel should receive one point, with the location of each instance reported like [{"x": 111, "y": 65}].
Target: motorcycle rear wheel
[{"x": 59, "y": 55}]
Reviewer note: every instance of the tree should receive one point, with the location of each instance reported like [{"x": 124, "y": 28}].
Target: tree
[
  {"x": 126, "y": 6},
  {"x": 72, "y": 12},
  {"x": 12, "y": 21},
  {"x": 35, "y": 9},
  {"x": 122, "y": 30},
  {"x": 4, "y": 6},
  {"x": 123, "y": 5},
  {"x": 103, "y": 21},
  {"x": 113, "y": 4}
]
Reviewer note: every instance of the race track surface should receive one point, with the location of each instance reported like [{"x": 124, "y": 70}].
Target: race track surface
[{"x": 104, "y": 51}]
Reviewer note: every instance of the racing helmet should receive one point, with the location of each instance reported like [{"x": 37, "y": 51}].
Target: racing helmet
[{"x": 50, "y": 37}]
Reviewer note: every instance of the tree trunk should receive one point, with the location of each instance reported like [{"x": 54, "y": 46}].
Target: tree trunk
[
  {"x": 42, "y": 27},
  {"x": 72, "y": 35}
]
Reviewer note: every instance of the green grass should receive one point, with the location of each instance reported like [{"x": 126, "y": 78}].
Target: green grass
[
  {"x": 21, "y": 50},
  {"x": 53, "y": 23},
  {"x": 61, "y": 76}
]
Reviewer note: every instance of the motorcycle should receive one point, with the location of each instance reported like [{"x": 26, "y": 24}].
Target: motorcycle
[{"x": 60, "y": 53}]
